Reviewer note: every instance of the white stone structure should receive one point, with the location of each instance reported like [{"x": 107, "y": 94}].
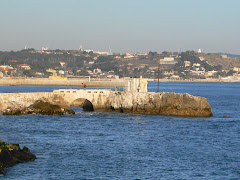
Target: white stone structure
[{"x": 136, "y": 85}]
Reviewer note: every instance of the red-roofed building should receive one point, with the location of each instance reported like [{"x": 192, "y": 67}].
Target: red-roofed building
[
  {"x": 62, "y": 63},
  {"x": 13, "y": 60},
  {"x": 24, "y": 66},
  {"x": 5, "y": 67}
]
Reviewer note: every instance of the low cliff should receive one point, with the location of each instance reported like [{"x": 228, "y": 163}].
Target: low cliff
[{"x": 171, "y": 104}]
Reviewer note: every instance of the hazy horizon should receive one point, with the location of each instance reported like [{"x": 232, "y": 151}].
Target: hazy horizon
[{"x": 125, "y": 26}]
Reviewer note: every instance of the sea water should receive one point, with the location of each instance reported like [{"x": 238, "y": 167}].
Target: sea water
[{"x": 98, "y": 145}]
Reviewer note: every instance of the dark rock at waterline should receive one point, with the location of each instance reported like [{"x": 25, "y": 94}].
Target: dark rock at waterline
[
  {"x": 70, "y": 111},
  {"x": 45, "y": 108},
  {"x": 41, "y": 107},
  {"x": 11, "y": 154}
]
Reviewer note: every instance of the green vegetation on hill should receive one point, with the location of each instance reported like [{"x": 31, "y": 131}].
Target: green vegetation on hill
[
  {"x": 82, "y": 63},
  {"x": 228, "y": 63},
  {"x": 106, "y": 63}
]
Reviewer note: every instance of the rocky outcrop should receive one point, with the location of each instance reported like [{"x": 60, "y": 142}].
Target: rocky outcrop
[
  {"x": 171, "y": 104},
  {"x": 11, "y": 154},
  {"x": 164, "y": 103},
  {"x": 41, "y": 107}
]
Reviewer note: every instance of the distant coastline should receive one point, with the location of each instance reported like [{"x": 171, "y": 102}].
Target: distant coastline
[
  {"x": 196, "y": 80},
  {"x": 92, "y": 83},
  {"x": 68, "y": 82}
]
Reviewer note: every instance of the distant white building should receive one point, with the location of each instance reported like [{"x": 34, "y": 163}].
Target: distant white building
[
  {"x": 196, "y": 65},
  {"x": 168, "y": 58},
  {"x": 128, "y": 55},
  {"x": 44, "y": 48},
  {"x": 61, "y": 72},
  {"x": 199, "y": 51},
  {"x": 175, "y": 77},
  {"x": 211, "y": 73},
  {"x": 88, "y": 50},
  {"x": 117, "y": 57},
  {"x": 97, "y": 71},
  {"x": 102, "y": 53},
  {"x": 142, "y": 54},
  {"x": 237, "y": 69},
  {"x": 224, "y": 56},
  {"x": 187, "y": 63},
  {"x": 24, "y": 66},
  {"x": 62, "y": 63}
]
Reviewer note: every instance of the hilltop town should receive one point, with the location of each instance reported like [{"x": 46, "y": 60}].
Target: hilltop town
[{"x": 62, "y": 64}]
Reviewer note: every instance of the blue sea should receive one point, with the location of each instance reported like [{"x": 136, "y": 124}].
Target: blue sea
[{"x": 99, "y": 145}]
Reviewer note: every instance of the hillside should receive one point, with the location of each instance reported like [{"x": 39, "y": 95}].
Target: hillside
[{"x": 227, "y": 63}]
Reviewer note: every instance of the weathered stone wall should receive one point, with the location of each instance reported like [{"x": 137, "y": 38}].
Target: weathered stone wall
[
  {"x": 69, "y": 82},
  {"x": 63, "y": 98},
  {"x": 107, "y": 100},
  {"x": 12, "y": 101}
]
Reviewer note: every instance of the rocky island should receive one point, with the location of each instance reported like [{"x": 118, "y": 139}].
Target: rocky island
[
  {"x": 165, "y": 103},
  {"x": 134, "y": 99}
]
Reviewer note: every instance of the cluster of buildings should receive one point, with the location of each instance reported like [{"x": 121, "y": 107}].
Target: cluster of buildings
[
  {"x": 5, "y": 69},
  {"x": 126, "y": 61},
  {"x": 97, "y": 73}
]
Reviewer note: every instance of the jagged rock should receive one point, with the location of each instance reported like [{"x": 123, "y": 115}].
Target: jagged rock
[
  {"x": 41, "y": 107},
  {"x": 70, "y": 111},
  {"x": 45, "y": 108},
  {"x": 11, "y": 154}
]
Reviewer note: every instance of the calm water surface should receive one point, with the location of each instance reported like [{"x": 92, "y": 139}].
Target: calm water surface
[{"x": 125, "y": 146}]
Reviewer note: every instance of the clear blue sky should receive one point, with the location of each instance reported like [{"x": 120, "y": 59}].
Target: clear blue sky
[{"x": 125, "y": 25}]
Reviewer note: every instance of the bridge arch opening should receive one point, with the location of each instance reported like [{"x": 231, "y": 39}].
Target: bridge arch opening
[{"x": 85, "y": 104}]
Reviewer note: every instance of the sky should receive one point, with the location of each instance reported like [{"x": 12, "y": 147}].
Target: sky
[{"x": 122, "y": 25}]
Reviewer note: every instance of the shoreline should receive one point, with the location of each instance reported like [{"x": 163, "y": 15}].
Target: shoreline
[
  {"x": 69, "y": 82},
  {"x": 208, "y": 80},
  {"x": 93, "y": 82}
]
